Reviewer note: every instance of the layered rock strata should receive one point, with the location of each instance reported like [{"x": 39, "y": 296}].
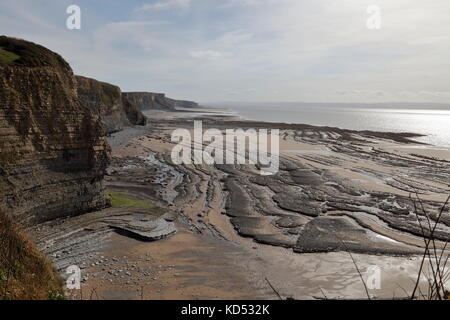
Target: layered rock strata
[
  {"x": 105, "y": 99},
  {"x": 150, "y": 101},
  {"x": 53, "y": 150}
]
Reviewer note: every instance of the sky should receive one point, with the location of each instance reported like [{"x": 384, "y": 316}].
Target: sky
[{"x": 250, "y": 50}]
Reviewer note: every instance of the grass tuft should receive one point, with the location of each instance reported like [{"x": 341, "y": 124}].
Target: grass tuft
[
  {"x": 28, "y": 54},
  {"x": 124, "y": 200},
  {"x": 6, "y": 57},
  {"x": 25, "y": 273}
]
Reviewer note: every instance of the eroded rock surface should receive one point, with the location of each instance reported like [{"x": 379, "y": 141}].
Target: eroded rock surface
[
  {"x": 76, "y": 240},
  {"x": 336, "y": 189}
]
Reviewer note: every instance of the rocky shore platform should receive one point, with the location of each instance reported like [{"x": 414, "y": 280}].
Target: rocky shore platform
[{"x": 227, "y": 232}]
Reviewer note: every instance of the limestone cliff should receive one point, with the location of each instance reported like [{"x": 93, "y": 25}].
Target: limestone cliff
[
  {"x": 106, "y": 100},
  {"x": 150, "y": 101},
  {"x": 53, "y": 153}
]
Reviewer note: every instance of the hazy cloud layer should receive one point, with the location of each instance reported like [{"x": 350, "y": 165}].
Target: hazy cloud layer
[{"x": 251, "y": 50}]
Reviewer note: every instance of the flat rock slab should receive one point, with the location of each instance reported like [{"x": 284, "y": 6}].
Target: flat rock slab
[
  {"x": 74, "y": 240},
  {"x": 306, "y": 177},
  {"x": 145, "y": 229},
  {"x": 294, "y": 202},
  {"x": 327, "y": 234}
]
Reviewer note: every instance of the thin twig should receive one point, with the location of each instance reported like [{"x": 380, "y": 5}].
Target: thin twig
[
  {"x": 326, "y": 298},
  {"x": 274, "y": 290},
  {"x": 436, "y": 282},
  {"x": 356, "y": 266}
]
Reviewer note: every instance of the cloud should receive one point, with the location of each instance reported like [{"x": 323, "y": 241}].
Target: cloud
[
  {"x": 206, "y": 54},
  {"x": 309, "y": 50},
  {"x": 123, "y": 34},
  {"x": 164, "y": 5},
  {"x": 362, "y": 92},
  {"x": 234, "y": 38},
  {"x": 435, "y": 93},
  {"x": 242, "y": 3},
  {"x": 242, "y": 92}
]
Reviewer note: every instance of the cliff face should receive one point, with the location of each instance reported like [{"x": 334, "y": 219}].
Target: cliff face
[
  {"x": 133, "y": 113},
  {"x": 186, "y": 104},
  {"x": 150, "y": 101},
  {"x": 106, "y": 100},
  {"x": 53, "y": 153}
]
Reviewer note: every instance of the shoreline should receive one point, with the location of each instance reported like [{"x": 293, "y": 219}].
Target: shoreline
[
  {"x": 270, "y": 229},
  {"x": 426, "y": 136}
]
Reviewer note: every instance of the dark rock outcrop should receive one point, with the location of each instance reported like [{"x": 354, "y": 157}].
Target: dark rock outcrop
[
  {"x": 106, "y": 100},
  {"x": 53, "y": 152},
  {"x": 150, "y": 101},
  {"x": 327, "y": 234},
  {"x": 186, "y": 104},
  {"x": 133, "y": 113}
]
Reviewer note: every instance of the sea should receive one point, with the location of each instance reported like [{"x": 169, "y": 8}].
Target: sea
[{"x": 430, "y": 120}]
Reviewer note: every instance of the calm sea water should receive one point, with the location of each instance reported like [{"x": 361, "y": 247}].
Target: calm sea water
[{"x": 432, "y": 121}]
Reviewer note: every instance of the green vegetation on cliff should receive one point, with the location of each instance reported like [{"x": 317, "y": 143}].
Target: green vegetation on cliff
[
  {"x": 124, "y": 200},
  {"x": 29, "y": 54},
  {"x": 6, "y": 57},
  {"x": 25, "y": 273}
]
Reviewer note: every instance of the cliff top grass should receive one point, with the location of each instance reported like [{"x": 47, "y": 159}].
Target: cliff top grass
[
  {"x": 17, "y": 52},
  {"x": 124, "y": 200},
  {"x": 25, "y": 273},
  {"x": 6, "y": 57}
]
